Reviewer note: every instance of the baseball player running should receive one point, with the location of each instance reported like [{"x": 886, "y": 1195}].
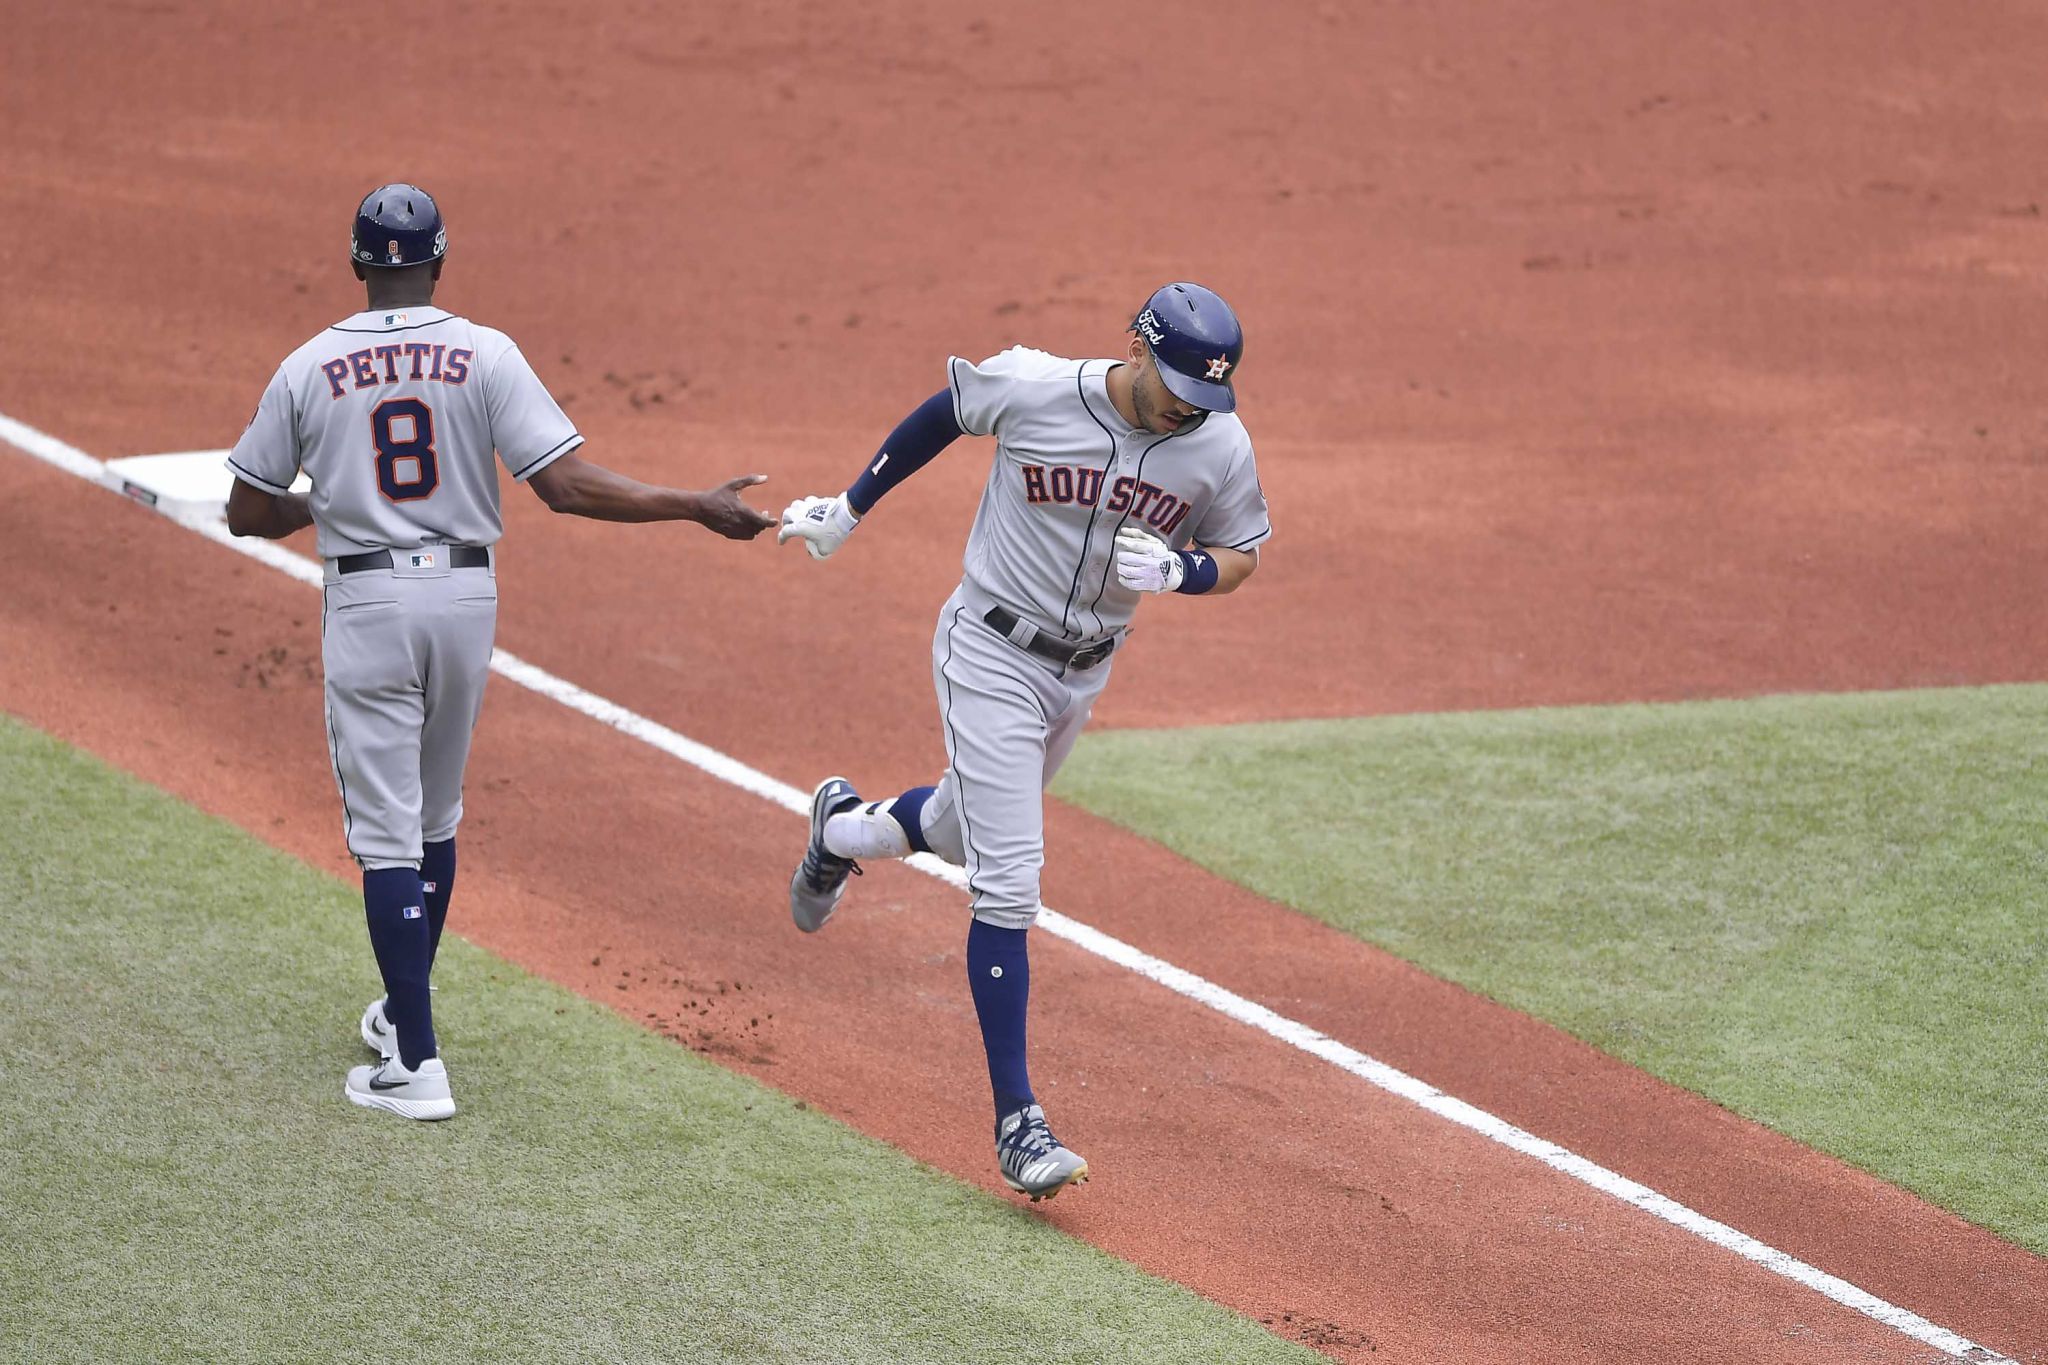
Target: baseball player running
[
  {"x": 394, "y": 414},
  {"x": 1112, "y": 479}
]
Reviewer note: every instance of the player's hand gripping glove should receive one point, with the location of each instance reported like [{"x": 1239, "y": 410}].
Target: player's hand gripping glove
[
  {"x": 822, "y": 524},
  {"x": 1145, "y": 564}
]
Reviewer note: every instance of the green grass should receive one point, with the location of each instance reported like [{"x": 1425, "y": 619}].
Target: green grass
[
  {"x": 1827, "y": 913},
  {"x": 182, "y": 1181}
]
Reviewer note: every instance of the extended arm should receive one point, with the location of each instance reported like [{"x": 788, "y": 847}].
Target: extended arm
[
  {"x": 577, "y": 487},
  {"x": 823, "y": 524},
  {"x": 910, "y": 447},
  {"x": 271, "y": 516}
]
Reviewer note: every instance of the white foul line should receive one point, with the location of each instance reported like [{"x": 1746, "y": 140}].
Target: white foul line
[{"x": 1178, "y": 980}]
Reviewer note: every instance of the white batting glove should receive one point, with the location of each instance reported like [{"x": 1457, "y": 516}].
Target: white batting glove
[
  {"x": 822, "y": 524},
  {"x": 1145, "y": 564}
]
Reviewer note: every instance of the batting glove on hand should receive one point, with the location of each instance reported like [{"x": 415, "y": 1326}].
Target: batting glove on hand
[
  {"x": 822, "y": 524},
  {"x": 1145, "y": 564}
]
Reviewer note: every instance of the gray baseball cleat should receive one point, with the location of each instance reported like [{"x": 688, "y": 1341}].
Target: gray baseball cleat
[
  {"x": 1035, "y": 1162},
  {"x": 820, "y": 879}
]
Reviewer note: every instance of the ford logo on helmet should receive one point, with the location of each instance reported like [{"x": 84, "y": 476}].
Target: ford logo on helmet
[{"x": 1196, "y": 342}]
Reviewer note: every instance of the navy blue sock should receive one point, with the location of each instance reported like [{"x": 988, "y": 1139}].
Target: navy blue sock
[
  {"x": 398, "y": 935},
  {"x": 908, "y": 809},
  {"x": 437, "y": 884},
  {"x": 999, "y": 975}
]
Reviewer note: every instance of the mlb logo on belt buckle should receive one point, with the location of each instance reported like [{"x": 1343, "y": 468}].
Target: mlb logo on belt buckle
[{"x": 423, "y": 561}]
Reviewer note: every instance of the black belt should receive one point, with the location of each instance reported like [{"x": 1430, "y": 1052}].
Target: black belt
[
  {"x": 459, "y": 557},
  {"x": 1073, "y": 654}
]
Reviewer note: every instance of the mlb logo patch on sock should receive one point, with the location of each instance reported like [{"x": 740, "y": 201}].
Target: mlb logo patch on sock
[{"x": 411, "y": 912}]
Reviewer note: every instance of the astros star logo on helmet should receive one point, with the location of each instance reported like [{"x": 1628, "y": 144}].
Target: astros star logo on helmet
[{"x": 1219, "y": 367}]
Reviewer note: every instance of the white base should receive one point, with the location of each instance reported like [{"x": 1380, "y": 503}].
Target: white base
[{"x": 183, "y": 484}]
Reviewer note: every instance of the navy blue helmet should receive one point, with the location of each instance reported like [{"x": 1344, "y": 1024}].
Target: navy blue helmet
[
  {"x": 398, "y": 225},
  {"x": 1197, "y": 341}
]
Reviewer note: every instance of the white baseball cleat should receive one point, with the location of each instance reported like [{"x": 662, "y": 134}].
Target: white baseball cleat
[
  {"x": 378, "y": 1035},
  {"x": 421, "y": 1094}
]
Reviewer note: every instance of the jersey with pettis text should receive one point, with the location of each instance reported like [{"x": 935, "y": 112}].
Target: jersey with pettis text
[
  {"x": 1070, "y": 472},
  {"x": 394, "y": 414}
]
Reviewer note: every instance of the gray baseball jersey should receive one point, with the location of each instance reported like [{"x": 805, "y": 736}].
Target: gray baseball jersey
[
  {"x": 394, "y": 415},
  {"x": 1069, "y": 472}
]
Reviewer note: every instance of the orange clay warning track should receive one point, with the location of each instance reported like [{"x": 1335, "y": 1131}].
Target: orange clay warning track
[{"x": 1598, "y": 351}]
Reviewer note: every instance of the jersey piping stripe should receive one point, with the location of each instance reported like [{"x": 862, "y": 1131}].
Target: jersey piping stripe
[
  {"x": 393, "y": 331},
  {"x": 1266, "y": 534},
  {"x": 264, "y": 484},
  {"x": 953, "y": 753},
  {"x": 1139, "y": 476},
  {"x": 575, "y": 438},
  {"x": 348, "y": 827},
  {"x": 1088, "y": 538},
  {"x": 959, "y": 416}
]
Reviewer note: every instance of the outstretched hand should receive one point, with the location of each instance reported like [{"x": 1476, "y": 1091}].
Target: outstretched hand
[
  {"x": 822, "y": 524},
  {"x": 726, "y": 512}
]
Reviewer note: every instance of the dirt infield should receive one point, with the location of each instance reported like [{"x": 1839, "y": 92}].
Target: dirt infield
[{"x": 1632, "y": 353}]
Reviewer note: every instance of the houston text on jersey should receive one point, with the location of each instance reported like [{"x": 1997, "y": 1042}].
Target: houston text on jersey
[{"x": 1065, "y": 484}]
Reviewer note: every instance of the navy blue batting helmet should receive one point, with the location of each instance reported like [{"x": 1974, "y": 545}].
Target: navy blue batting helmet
[
  {"x": 1197, "y": 342},
  {"x": 398, "y": 225}
]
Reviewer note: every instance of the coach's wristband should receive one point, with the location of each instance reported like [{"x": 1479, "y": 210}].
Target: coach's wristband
[{"x": 1198, "y": 571}]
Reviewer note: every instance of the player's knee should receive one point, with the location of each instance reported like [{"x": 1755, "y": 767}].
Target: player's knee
[
  {"x": 947, "y": 844},
  {"x": 942, "y": 832}
]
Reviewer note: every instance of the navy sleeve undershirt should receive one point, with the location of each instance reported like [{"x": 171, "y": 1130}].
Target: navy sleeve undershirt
[{"x": 909, "y": 448}]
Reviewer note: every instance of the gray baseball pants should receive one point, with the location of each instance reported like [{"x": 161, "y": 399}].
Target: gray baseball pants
[
  {"x": 1011, "y": 719},
  {"x": 406, "y": 652}
]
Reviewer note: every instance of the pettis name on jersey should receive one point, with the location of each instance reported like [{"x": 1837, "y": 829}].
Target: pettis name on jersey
[{"x": 395, "y": 363}]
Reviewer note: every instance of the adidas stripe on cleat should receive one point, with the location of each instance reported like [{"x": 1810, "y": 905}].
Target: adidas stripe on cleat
[{"x": 1033, "y": 1161}]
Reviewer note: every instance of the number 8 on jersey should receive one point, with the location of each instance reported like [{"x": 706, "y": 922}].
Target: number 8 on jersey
[{"x": 403, "y": 432}]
